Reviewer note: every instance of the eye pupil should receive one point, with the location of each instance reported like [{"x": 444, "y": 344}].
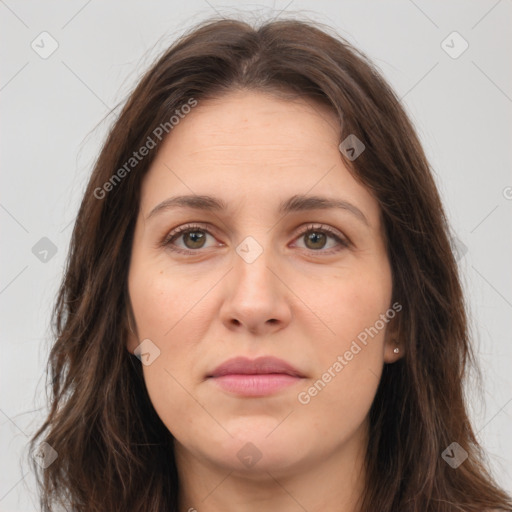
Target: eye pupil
[
  {"x": 197, "y": 238},
  {"x": 315, "y": 237}
]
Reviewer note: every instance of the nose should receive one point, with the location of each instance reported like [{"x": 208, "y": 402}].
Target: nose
[{"x": 256, "y": 299}]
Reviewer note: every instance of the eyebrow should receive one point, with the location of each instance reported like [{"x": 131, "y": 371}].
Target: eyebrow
[{"x": 296, "y": 203}]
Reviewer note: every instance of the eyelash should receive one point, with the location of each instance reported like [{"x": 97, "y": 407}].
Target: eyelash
[{"x": 188, "y": 228}]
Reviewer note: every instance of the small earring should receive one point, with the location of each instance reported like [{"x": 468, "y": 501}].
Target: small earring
[{"x": 396, "y": 350}]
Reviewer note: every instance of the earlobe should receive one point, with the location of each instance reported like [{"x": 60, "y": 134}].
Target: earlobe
[
  {"x": 393, "y": 351},
  {"x": 393, "y": 348}
]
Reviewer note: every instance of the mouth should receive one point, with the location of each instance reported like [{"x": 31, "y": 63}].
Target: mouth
[{"x": 258, "y": 377}]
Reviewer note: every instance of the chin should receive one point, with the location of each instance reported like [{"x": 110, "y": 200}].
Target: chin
[{"x": 258, "y": 447}]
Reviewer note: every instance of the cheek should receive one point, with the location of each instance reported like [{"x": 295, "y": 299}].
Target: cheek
[
  {"x": 351, "y": 305},
  {"x": 162, "y": 300},
  {"x": 338, "y": 402},
  {"x": 351, "y": 356},
  {"x": 168, "y": 311}
]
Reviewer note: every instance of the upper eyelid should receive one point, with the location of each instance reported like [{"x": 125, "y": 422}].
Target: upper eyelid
[{"x": 189, "y": 227}]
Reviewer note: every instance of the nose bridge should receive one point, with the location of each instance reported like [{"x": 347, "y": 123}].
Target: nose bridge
[
  {"x": 251, "y": 264},
  {"x": 255, "y": 297}
]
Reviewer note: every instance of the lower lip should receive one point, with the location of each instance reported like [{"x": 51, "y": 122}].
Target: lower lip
[{"x": 255, "y": 385}]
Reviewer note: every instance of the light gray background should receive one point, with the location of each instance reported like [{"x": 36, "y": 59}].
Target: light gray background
[{"x": 52, "y": 111}]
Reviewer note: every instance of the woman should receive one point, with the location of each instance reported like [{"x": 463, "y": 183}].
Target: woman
[{"x": 261, "y": 309}]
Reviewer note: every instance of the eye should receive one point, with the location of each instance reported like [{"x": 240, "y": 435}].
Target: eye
[
  {"x": 192, "y": 236},
  {"x": 316, "y": 237}
]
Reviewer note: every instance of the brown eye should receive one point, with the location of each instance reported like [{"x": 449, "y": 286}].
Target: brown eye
[
  {"x": 193, "y": 239},
  {"x": 322, "y": 239},
  {"x": 187, "y": 239},
  {"x": 315, "y": 240}
]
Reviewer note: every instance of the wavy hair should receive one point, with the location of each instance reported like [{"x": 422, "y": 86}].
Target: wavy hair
[{"x": 114, "y": 452}]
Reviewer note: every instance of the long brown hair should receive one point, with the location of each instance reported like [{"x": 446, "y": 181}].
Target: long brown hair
[{"x": 114, "y": 453}]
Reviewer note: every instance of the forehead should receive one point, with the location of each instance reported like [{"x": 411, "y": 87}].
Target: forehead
[
  {"x": 254, "y": 146},
  {"x": 268, "y": 119}
]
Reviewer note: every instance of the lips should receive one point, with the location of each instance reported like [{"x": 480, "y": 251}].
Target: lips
[
  {"x": 260, "y": 366},
  {"x": 259, "y": 377}
]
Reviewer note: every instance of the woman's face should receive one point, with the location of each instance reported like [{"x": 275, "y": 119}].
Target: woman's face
[{"x": 270, "y": 274}]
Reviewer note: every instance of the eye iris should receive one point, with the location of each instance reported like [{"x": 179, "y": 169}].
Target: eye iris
[
  {"x": 197, "y": 238},
  {"x": 314, "y": 237}
]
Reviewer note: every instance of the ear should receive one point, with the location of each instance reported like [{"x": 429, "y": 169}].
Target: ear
[{"x": 393, "y": 346}]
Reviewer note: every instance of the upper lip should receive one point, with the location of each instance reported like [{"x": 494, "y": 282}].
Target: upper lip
[{"x": 260, "y": 366}]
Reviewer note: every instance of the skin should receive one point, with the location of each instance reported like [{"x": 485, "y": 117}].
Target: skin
[{"x": 298, "y": 301}]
